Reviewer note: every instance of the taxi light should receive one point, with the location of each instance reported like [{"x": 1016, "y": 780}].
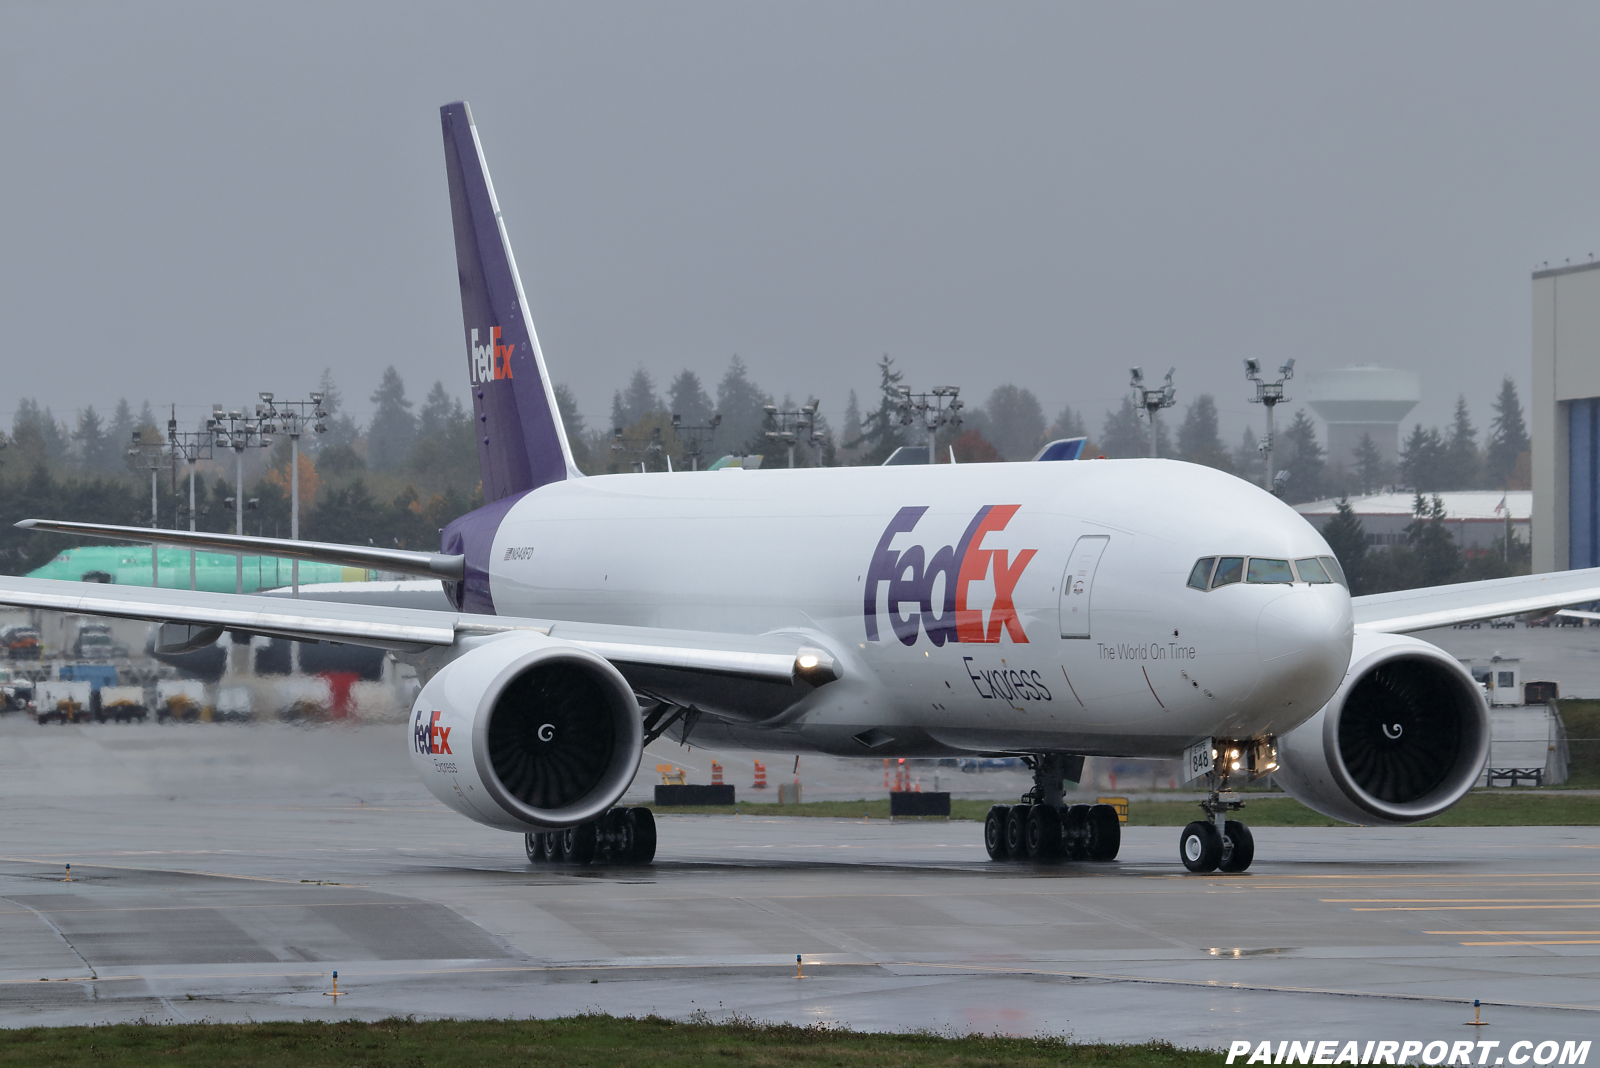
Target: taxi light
[{"x": 1235, "y": 765}]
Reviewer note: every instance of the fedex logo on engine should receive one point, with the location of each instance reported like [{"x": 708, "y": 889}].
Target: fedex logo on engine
[
  {"x": 427, "y": 736},
  {"x": 490, "y": 362},
  {"x": 917, "y": 579}
]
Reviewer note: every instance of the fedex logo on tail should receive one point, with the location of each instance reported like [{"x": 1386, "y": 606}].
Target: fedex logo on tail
[
  {"x": 427, "y": 736},
  {"x": 490, "y": 362},
  {"x": 917, "y": 579}
]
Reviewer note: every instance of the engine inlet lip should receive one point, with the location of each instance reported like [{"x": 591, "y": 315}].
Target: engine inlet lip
[
  {"x": 618, "y": 775},
  {"x": 1475, "y": 743}
]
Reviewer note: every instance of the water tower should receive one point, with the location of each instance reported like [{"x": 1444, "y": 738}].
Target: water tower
[{"x": 1354, "y": 401}]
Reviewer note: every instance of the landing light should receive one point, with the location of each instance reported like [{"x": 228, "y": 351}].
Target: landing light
[
  {"x": 1235, "y": 765},
  {"x": 808, "y": 661}
]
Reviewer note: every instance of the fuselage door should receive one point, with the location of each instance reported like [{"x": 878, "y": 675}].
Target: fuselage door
[{"x": 1077, "y": 584}]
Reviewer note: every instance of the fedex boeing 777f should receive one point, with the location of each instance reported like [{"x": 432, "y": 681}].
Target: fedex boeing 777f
[{"x": 1139, "y": 608}]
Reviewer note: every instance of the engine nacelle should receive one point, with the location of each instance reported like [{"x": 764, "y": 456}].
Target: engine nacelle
[
  {"x": 527, "y": 733},
  {"x": 1403, "y": 738}
]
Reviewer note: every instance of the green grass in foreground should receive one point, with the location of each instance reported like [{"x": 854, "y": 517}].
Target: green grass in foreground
[
  {"x": 572, "y": 1042},
  {"x": 1481, "y": 808}
]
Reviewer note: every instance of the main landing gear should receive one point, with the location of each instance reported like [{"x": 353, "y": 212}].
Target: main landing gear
[
  {"x": 1043, "y": 828},
  {"x": 621, "y": 836}
]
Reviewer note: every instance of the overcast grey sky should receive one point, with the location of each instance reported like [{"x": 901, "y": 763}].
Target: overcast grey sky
[{"x": 200, "y": 201}]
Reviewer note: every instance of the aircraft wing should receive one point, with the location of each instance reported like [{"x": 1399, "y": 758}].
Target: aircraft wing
[
  {"x": 1405, "y": 611},
  {"x": 672, "y": 659}
]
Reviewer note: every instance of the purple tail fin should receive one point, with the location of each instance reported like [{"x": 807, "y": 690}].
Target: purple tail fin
[{"x": 521, "y": 442}]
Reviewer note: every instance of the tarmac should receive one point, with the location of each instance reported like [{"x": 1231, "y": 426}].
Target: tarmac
[{"x": 225, "y": 871}]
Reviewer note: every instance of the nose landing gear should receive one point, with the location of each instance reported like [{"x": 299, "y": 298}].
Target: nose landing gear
[{"x": 1216, "y": 843}]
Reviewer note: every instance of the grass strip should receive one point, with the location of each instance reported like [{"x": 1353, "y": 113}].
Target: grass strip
[
  {"x": 1481, "y": 808},
  {"x": 572, "y": 1042}
]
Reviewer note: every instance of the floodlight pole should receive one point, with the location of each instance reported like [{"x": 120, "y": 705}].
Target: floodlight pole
[
  {"x": 290, "y": 417},
  {"x": 1271, "y": 395},
  {"x": 151, "y": 453},
  {"x": 794, "y": 426},
  {"x": 940, "y": 406},
  {"x": 190, "y": 443},
  {"x": 1152, "y": 401}
]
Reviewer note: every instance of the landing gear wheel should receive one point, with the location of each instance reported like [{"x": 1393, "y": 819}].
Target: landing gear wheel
[
  {"x": 554, "y": 849},
  {"x": 1200, "y": 846},
  {"x": 616, "y": 837},
  {"x": 1044, "y": 833},
  {"x": 534, "y": 844},
  {"x": 1238, "y": 847},
  {"x": 580, "y": 842},
  {"x": 994, "y": 832},
  {"x": 1075, "y": 833},
  {"x": 1017, "y": 831},
  {"x": 644, "y": 835},
  {"x": 1105, "y": 833}
]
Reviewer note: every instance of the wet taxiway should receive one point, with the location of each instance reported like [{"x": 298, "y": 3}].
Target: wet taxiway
[{"x": 224, "y": 872}]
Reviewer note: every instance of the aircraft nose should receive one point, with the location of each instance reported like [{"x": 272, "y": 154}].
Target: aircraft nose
[{"x": 1303, "y": 639}]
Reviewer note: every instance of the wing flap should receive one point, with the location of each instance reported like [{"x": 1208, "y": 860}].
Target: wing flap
[{"x": 1405, "y": 611}]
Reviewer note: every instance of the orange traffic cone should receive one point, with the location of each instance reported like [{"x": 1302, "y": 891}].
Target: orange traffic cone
[{"x": 761, "y": 777}]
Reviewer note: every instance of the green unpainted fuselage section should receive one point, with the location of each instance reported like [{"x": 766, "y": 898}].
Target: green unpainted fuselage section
[{"x": 129, "y": 565}]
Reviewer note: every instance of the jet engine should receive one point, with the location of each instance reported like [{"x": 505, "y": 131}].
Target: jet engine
[
  {"x": 1403, "y": 738},
  {"x": 527, "y": 733}
]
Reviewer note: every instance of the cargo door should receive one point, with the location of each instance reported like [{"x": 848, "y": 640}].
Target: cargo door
[{"x": 1077, "y": 584}]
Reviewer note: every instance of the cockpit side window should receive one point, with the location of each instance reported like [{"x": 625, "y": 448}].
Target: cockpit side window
[
  {"x": 1201, "y": 573},
  {"x": 1265, "y": 570},
  {"x": 1311, "y": 570},
  {"x": 1334, "y": 570},
  {"x": 1230, "y": 569}
]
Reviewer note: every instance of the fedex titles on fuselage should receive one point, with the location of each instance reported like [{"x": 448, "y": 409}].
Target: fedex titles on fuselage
[
  {"x": 489, "y": 362},
  {"x": 913, "y": 575}
]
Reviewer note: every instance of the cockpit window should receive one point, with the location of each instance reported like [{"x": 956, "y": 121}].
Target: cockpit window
[
  {"x": 1263, "y": 570},
  {"x": 1311, "y": 570},
  {"x": 1230, "y": 569},
  {"x": 1334, "y": 570},
  {"x": 1201, "y": 572}
]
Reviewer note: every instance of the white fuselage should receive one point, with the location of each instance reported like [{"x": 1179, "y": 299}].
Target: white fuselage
[{"x": 1151, "y": 665}]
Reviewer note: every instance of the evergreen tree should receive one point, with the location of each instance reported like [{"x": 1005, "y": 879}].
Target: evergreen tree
[
  {"x": 636, "y": 402},
  {"x": 1369, "y": 465},
  {"x": 1422, "y": 460},
  {"x": 881, "y": 431},
  {"x": 95, "y": 448},
  {"x": 577, "y": 431},
  {"x": 434, "y": 416},
  {"x": 852, "y": 430},
  {"x": 1438, "y": 559},
  {"x": 342, "y": 429},
  {"x": 394, "y": 429},
  {"x": 1069, "y": 424},
  {"x": 119, "y": 438},
  {"x": 1198, "y": 439},
  {"x": 1016, "y": 422},
  {"x": 1121, "y": 436},
  {"x": 1348, "y": 540},
  {"x": 742, "y": 405},
  {"x": 1301, "y": 455},
  {"x": 1508, "y": 436},
  {"x": 1248, "y": 460},
  {"x": 147, "y": 416},
  {"x": 1460, "y": 459},
  {"x": 688, "y": 400}
]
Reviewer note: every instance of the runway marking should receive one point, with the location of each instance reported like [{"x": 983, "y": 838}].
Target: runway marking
[
  {"x": 220, "y": 908},
  {"x": 1589, "y": 942},
  {"x": 1021, "y": 970},
  {"x": 1455, "y": 900},
  {"x": 181, "y": 871},
  {"x": 1467, "y": 908},
  {"x": 1546, "y": 933}
]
